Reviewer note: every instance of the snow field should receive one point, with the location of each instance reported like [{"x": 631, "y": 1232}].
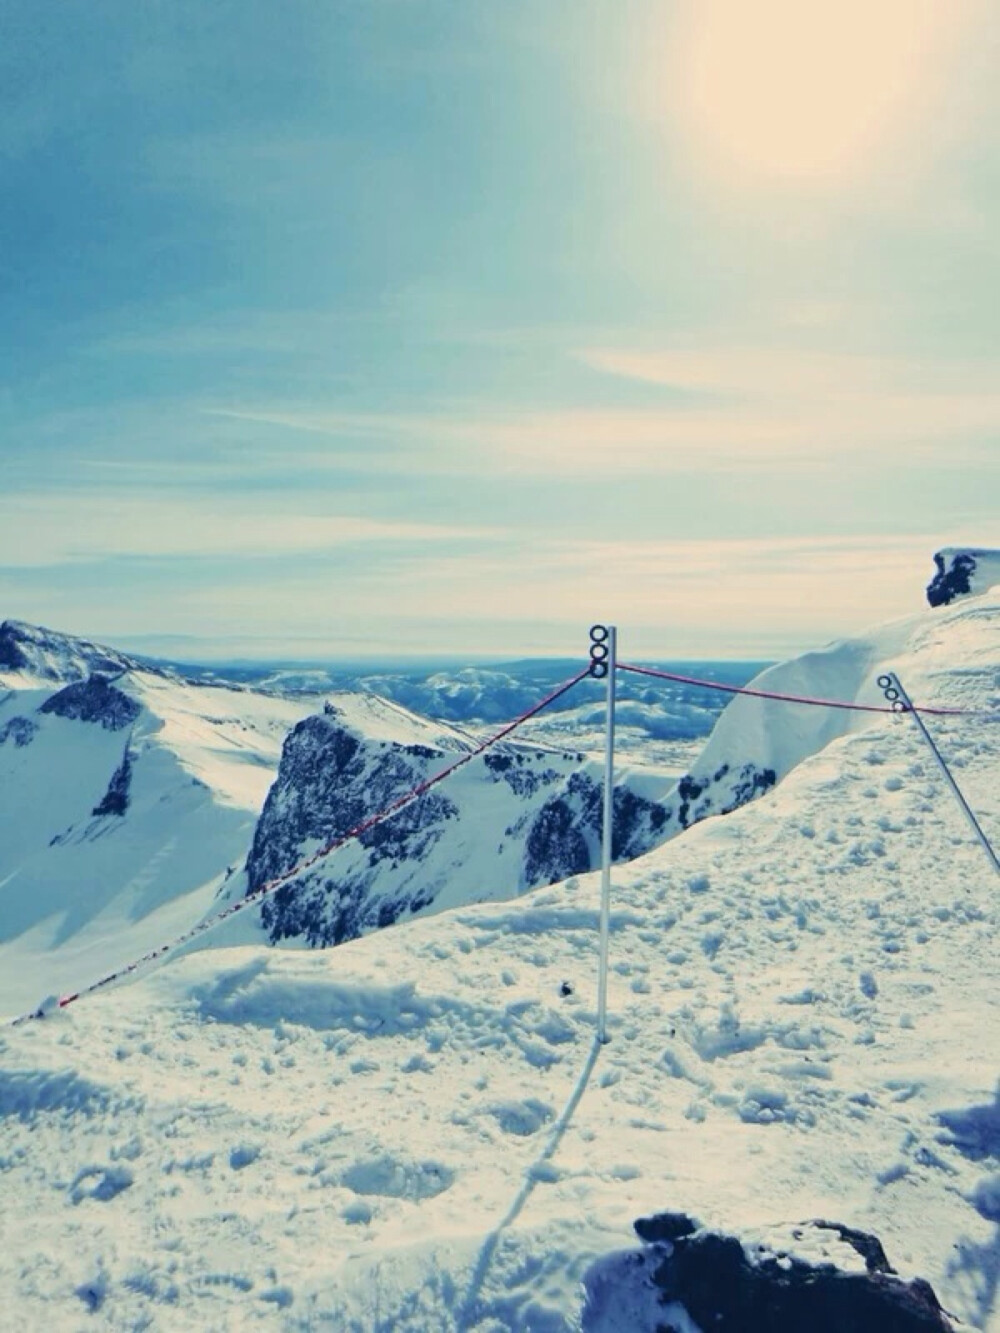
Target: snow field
[{"x": 799, "y": 993}]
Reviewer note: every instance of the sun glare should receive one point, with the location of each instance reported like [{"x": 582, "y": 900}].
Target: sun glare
[{"x": 805, "y": 90}]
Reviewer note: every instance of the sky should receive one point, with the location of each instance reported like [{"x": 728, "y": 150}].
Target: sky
[{"x": 336, "y": 328}]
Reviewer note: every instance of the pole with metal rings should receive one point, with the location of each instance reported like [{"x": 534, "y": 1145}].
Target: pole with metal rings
[{"x": 603, "y": 661}]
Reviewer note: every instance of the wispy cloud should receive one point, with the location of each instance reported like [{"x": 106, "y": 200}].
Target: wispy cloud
[
  {"x": 44, "y": 529},
  {"x": 768, "y": 410}
]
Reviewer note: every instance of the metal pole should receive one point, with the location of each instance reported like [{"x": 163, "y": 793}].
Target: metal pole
[
  {"x": 606, "y": 832},
  {"x": 893, "y": 682}
]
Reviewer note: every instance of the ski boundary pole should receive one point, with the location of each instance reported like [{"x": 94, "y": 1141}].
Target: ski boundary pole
[
  {"x": 899, "y": 702},
  {"x": 278, "y": 881}
]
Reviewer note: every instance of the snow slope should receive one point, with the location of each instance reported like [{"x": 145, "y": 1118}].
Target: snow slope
[
  {"x": 124, "y": 803},
  {"x": 414, "y": 1131}
]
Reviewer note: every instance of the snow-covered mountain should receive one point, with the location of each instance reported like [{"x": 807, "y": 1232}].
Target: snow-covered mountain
[
  {"x": 414, "y": 1131},
  {"x": 510, "y": 819},
  {"x": 125, "y": 797},
  {"x": 130, "y": 797},
  {"x": 31, "y": 651}
]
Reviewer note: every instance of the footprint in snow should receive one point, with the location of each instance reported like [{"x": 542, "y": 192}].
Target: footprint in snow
[
  {"x": 395, "y": 1179},
  {"x": 521, "y": 1118},
  {"x": 101, "y": 1183}
]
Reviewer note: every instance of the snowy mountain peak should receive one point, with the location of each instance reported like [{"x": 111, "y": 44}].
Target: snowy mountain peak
[
  {"x": 49, "y": 655},
  {"x": 961, "y": 572},
  {"x": 512, "y": 818}
]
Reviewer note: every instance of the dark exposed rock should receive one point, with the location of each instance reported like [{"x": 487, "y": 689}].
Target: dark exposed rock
[
  {"x": 555, "y": 847},
  {"x": 564, "y": 838},
  {"x": 116, "y": 798},
  {"x": 862, "y": 1242},
  {"x": 953, "y": 578},
  {"x": 95, "y": 700},
  {"x": 665, "y": 1227},
  {"x": 521, "y": 775},
  {"x": 727, "y": 1287},
  {"x": 722, "y": 793},
  {"x": 20, "y": 730},
  {"x": 330, "y": 781}
]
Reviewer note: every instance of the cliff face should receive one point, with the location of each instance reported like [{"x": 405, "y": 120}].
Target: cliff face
[{"x": 509, "y": 820}]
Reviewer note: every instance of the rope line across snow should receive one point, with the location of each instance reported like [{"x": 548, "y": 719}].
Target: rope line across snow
[{"x": 787, "y": 698}]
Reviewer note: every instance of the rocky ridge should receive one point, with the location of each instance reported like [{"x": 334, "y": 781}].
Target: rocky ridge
[{"x": 514, "y": 817}]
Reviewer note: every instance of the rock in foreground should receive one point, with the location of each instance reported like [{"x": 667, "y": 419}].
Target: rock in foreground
[{"x": 819, "y": 1276}]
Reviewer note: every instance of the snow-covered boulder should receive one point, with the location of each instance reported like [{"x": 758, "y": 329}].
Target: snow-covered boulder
[
  {"x": 508, "y": 820},
  {"x": 962, "y": 572}
]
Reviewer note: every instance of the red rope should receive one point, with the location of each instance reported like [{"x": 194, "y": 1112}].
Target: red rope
[
  {"x": 784, "y": 698},
  {"x": 272, "y": 885}
]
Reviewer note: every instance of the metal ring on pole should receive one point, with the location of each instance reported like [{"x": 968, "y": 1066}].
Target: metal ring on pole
[
  {"x": 894, "y": 694},
  {"x": 600, "y": 640}
]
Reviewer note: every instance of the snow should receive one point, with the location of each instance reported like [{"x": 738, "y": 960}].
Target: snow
[
  {"x": 81, "y": 893},
  {"x": 415, "y": 1131}
]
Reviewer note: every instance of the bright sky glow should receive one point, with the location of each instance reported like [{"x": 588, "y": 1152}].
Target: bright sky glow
[
  {"x": 810, "y": 92},
  {"x": 452, "y": 329}
]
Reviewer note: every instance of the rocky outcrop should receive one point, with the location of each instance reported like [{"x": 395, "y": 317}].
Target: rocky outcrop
[
  {"x": 961, "y": 573},
  {"x": 95, "y": 700},
  {"x": 508, "y": 820},
  {"x": 19, "y": 731},
  {"x": 116, "y": 799},
  {"x": 821, "y": 1276}
]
